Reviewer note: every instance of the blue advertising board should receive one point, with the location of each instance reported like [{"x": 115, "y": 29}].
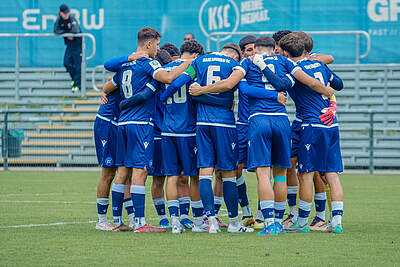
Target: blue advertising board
[{"x": 115, "y": 24}]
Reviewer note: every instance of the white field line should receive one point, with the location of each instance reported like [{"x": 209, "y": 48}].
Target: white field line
[
  {"x": 43, "y": 224},
  {"x": 40, "y": 194},
  {"x": 46, "y": 201}
]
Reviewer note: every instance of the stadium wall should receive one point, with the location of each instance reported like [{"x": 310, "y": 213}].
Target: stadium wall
[{"x": 115, "y": 24}]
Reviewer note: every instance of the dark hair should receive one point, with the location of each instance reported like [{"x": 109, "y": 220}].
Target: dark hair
[
  {"x": 147, "y": 33},
  {"x": 308, "y": 41},
  {"x": 233, "y": 47},
  {"x": 293, "y": 44},
  {"x": 64, "y": 8},
  {"x": 265, "y": 41},
  {"x": 279, "y": 34},
  {"x": 192, "y": 46},
  {"x": 172, "y": 49},
  {"x": 249, "y": 39},
  {"x": 163, "y": 57}
]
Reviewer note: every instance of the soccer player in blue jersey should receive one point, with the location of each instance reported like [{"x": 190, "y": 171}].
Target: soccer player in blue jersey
[
  {"x": 319, "y": 148},
  {"x": 216, "y": 134},
  {"x": 105, "y": 135},
  {"x": 264, "y": 144},
  {"x": 179, "y": 143},
  {"x": 246, "y": 45},
  {"x": 135, "y": 132}
]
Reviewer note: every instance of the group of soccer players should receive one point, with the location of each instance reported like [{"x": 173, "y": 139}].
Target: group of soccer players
[{"x": 170, "y": 113}]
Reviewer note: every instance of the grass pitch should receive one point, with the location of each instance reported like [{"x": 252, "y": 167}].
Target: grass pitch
[{"x": 46, "y": 220}]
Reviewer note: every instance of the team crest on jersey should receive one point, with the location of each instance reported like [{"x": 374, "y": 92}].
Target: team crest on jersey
[
  {"x": 233, "y": 146},
  {"x": 308, "y": 146},
  {"x": 155, "y": 64},
  {"x": 145, "y": 145},
  {"x": 104, "y": 142}
]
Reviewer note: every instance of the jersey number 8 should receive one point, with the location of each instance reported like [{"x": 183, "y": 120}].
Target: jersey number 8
[{"x": 126, "y": 83}]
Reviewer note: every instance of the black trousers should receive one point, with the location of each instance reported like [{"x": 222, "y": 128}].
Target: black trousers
[{"x": 72, "y": 62}]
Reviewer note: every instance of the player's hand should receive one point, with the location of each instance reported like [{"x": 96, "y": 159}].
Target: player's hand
[
  {"x": 282, "y": 98},
  {"x": 103, "y": 99},
  {"x": 70, "y": 38},
  {"x": 258, "y": 60},
  {"x": 329, "y": 114},
  {"x": 135, "y": 56},
  {"x": 329, "y": 91},
  {"x": 195, "y": 89}
]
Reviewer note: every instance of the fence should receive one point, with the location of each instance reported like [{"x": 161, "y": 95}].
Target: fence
[
  {"x": 357, "y": 35},
  {"x": 36, "y": 35},
  {"x": 63, "y": 139}
]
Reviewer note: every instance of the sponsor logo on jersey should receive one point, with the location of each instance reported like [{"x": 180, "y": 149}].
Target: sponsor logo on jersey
[
  {"x": 104, "y": 142},
  {"x": 308, "y": 146}
]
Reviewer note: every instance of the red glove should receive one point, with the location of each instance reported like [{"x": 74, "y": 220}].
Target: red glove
[{"x": 329, "y": 113}]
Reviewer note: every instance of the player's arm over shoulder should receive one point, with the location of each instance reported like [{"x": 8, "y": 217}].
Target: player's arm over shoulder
[
  {"x": 164, "y": 76},
  {"x": 111, "y": 85}
]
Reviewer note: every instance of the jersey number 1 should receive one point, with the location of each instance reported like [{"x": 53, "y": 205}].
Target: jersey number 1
[{"x": 318, "y": 75}]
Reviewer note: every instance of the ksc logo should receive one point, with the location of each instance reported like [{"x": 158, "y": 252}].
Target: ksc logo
[{"x": 217, "y": 16}]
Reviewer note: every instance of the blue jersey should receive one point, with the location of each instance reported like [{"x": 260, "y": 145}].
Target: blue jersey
[
  {"x": 309, "y": 102},
  {"x": 159, "y": 113},
  {"x": 281, "y": 66},
  {"x": 110, "y": 110},
  {"x": 180, "y": 111},
  {"x": 131, "y": 79},
  {"x": 210, "y": 69},
  {"x": 243, "y": 108}
]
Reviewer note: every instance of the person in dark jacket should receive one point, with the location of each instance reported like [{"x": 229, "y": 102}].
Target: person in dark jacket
[{"x": 67, "y": 23}]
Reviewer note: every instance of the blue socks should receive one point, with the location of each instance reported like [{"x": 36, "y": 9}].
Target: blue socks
[
  {"x": 267, "y": 209},
  {"x": 207, "y": 195},
  {"x": 138, "y": 193},
  {"x": 320, "y": 203},
  {"x": 102, "y": 207},
  {"x": 173, "y": 207},
  {"x": 129, "y": 209},
  {"x": 243, "y": 200},
  {"x": 304, "y": 212},
  {"x": 291, "y": 199},
  {"x": 159, "y": 204},
  {"x": 198, "y": 212},
  {"x": 231, "y": 196},
  {"x": 117, "y": 194},
  {"x": 218, "y": 203},
  {"x": 184, "y": 206},
  {"x": 279, "y": 208}
]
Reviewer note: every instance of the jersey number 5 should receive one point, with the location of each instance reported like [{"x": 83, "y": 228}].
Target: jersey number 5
[{"x": 126, "y": 83}]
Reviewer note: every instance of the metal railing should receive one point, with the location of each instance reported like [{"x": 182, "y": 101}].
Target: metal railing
[
  {"x": 369, "y": 129},
  {"x": 35, "y": 35},
  {"x": 357, "y": 34},
  {"x": 104, "y": 78}
]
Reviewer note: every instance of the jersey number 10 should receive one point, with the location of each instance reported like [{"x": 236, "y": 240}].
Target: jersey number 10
[{"x": 179, "y": 96}]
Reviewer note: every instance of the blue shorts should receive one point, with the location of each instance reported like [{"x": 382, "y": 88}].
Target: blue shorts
[
  {"x": 295, "y": 137},
  {"x": 180, "y": 155},
  {"x": 135, "y": 146},
  {"x": 105, "y": 140},
  {"x": 319, "y": 149},
  {"x": 243, "y": 141},
  {"x": 157, "y": 158},
  {"x": 217, "y": 147},
  {"x": 269, "y": 141}
]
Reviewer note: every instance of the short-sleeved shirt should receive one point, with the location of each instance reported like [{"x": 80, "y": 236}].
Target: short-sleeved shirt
[{"x": 131, "y": 79}]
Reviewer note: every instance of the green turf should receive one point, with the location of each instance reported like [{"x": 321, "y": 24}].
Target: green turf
[{"x": 371, "y": 232}]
